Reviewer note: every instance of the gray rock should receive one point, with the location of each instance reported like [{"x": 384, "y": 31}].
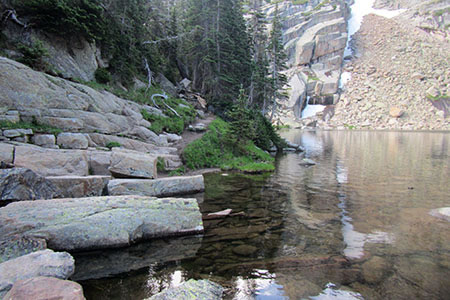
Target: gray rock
[
  {"x": 100, "y": 222},
  {"x": 23, "y": 184},
  {"x": 148, "y": 136},
  {"x": 192, "y": 289},
  {"x": 171, "y": 137},
  {"x": 49, "y": 162},
  {"x": 135, "y": 257},
  {"x": 16, "y": 245},
  {"x": 11, "y": 133},
  {"x": 185, "y": 83},
  {"x": 127, "y": 163},
  {"x": 171, "y": 161},
  {"x": 67, "y": 140},
  {"x": 45, "y": 288},
  {"x": 40, "y": 263},
  {"x": 199, "y": 127},
  {"x": 44, "y": 140},
  {"x": 166, "y": 85},
  {"x": 6, "y": 153},
  {"x": 307, "y": 162},
  {"x": 169, "y": 186},
  {"x": 442, "y": 213},
  {"x": 12, "y": 118},
  {"x": 80, "y": 186},
  {"x": 99, "y": 162}
]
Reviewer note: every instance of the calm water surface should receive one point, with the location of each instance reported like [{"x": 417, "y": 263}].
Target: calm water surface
[{"x": 355, "y": 226}]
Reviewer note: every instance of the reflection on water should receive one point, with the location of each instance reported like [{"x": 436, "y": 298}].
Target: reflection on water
[{"x": 362, "y": 223}]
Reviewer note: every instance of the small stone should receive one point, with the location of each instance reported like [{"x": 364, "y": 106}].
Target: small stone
[
  {"x": 396, "y": 112},
  {"x": 418, "y": 76},
  {"x": 67, "y": 140},
  {"x": 307, "y": 162},
  {"x": 43, "y": 139}
]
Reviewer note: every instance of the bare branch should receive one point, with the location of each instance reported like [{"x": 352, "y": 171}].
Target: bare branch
[
  {"x": 12, "y": 14},
  {"x": 164, "y": 97}
]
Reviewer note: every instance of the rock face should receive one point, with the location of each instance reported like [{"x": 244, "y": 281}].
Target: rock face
[
  {"x": 24, "y": 184},
  {"x": 192, "y": 289},
  {"x": 44, "y": 288},
  {"x": 315, "y": 36},
  {"x": 6, "y": 153},
  {"x": 100, "y": 222},
  {"x": 66, "y": 105},
  {"x": 16, "y": 246},
  {"x": 40, "y": 263},
  {"x": 163, "y": 187},
  {"x": 132, "y": 164},
  {"x": 80, "y": 186}
]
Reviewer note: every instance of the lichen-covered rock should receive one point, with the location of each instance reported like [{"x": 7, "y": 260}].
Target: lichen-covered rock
[
  {"x": 100, "y": 222},
  {"x": 169, "y": 186},
  {"x": 68, "y": 140},
  {"x": 23, "y": 184},
  {"x": 17, "y": 245},
  {"x": 80, "y": 186},
  {"x": 190, "y": 290},
  {"x": 41, "y": 263},
  {"x": 126, "y": 163},
  {"x": 45, "y": 288},
  {"x": 51, "y": 162}
]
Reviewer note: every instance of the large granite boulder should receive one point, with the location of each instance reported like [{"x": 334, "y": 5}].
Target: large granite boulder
[
  {"x": 162, "y": 187},
  {"x": 126, "y": 163},
  {"x": 23, "y": 184},
  {"x": 192, "y": 289},
  {"x": 101, "y": 140},
  {"x": 99, "y": 162},
  {"x": 51, "y": 162},
  {"x": 45, "y": 288},
  {"x": 100, "y": 222},
  {"x": 80, "y": 186},
  {"x": 41, "y": 263}
]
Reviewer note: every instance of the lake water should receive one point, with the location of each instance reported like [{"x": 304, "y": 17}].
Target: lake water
[{"x": 355, "y": 226}]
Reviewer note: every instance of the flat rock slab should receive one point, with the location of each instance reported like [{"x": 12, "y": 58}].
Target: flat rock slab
[
  {"x": 162, "y": 187},
  {"x": 49, "y": 162},
  {"x": 192, "y": 289},
  {"x": 80, "y": 186},
  {"x": 127, "y": 163},
  {"x": 45, "y": 288},
  {"x": 100, "y": 222},
  {"x": 41, "y": 263}
]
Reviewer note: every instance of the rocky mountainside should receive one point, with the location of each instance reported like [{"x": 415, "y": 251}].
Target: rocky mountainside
[
  {"x": 400, "y": 79},
  {"x": 315, "y": 36}
]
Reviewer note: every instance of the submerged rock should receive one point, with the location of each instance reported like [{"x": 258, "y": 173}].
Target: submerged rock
[
  {"x": 169, "y": 186},
  {"x": 245, "y": 250},
  {"x": 307, "y": 162},
  {"x": 192, "y": 289},
  {"x": 44, "y": 288},
  {"x": 41, "y": 263},
  {"x": 23, "y": 184},
  {"x": 100, "y": 222}
]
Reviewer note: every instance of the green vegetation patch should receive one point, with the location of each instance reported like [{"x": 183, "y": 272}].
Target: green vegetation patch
[
  {"x": 36, "y": 127},
  {"x": 111, "y": 145},
  {"x": 214, "y": 150}
]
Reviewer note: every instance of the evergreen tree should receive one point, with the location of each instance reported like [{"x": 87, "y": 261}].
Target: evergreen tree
[{"x": 277, "y": 58}]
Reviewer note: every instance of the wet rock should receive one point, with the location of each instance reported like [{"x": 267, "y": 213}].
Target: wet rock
[
  {"x": 100, "y": 222},
  {"x": 307, "y": 162},
  {"x": 244, "y": 250},
  {"x": 44, "y": 288},
  {"x": 127, "y": 163},
  {"x": 41, "y": 263},
  {"x": 50, "y": 162},
  {"x": 192, "y": 289},
  {"x": 80, "y": 186},
  {"x": 123, "y": 260},
  {"x": 23, "y": 184},
  {"x": 169, "y": 186},
  {"x": 67, "y": 140}
]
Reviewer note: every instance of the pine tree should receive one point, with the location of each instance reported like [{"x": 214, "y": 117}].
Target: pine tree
[{"x": 277, "y": 57}]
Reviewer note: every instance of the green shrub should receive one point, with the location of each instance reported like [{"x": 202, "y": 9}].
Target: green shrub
[
  {"x": 35, "y": 126},
  {"x": 160, "y": 164},
  {"x": 111, "y": 145},
  {"x": 102, "y": 75},
  {"x": 33, "y": 55}
]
